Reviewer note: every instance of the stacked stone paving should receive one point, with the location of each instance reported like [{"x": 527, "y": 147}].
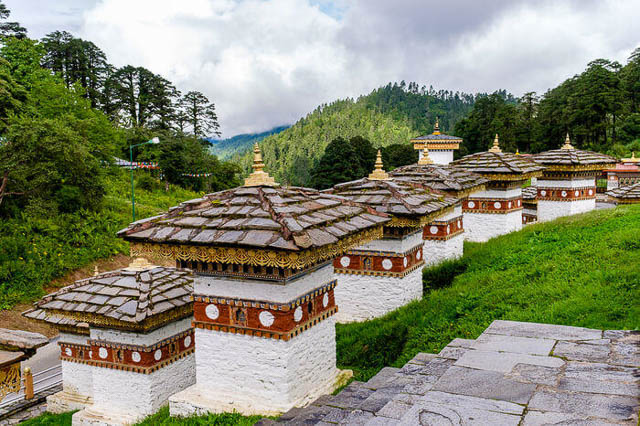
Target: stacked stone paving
[
  {"x": 493, "y": 164},
  {"x": 626, "y": 194},
  {"x": 454, "y": 182},
  {"x": 126, "y": 296},
  {"x": 514, "y": 373},
  {"x": 261, "y": 217},
  {"x": 395, "y": 198}
]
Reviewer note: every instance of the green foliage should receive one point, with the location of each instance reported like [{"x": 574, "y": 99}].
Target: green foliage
[
  {"x": 161, "y": 418},
  {"x": 343, "y": 161},
  {"x": 442, "y": 274},
  {"x": 36, "y": 248},
  {"x": 580, "y": 271},
  {"x": 398, "y": 154},
  {"x": 10, "y": 29},
  {"x": 48, "y": 419},
  {"x": 226, "y": 148}
]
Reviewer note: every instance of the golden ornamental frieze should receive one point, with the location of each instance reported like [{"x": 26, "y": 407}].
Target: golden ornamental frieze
[
  {"x": 435, "y": 146},
  {"x": 9, "y": 379},
  {"x": 511, "y": 176},
  {"x": 405, "y": 222},
  {"x": 577, "y": 167},
  {"x": 254, "y": 257}
]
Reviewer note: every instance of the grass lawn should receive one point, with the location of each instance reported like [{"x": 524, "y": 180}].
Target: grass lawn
[{"x": 582, "y": 270}]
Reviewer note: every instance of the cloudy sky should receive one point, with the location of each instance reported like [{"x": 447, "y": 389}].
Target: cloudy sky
[{"x": 269, "y": 62}]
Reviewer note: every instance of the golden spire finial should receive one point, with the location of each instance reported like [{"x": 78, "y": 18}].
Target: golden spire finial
[
  {"x": 496, "y": 145},
  {"x": 567, "y": 143},
  {"x": 95, "y": 271},
  {"x": 378, "y": 173},
  {"x": 259, "y": 177},
  {"x": 425, "y": 159},
  {"x": 436, "y": 127},
  {"x": 633, "y": 158},
  {"x": 139, "y": 264},
  {"x": 517, "y": 151}
]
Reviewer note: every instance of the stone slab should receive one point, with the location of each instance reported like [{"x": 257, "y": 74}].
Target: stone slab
[
  {"x": 515, "y": 344},
  {"x": 472, "y": 402},
  {"x": 527, "y": 373},
  {"x": 394, "y": 409},
  {"x": 384, "y": 376},
  {"x": 422, "y": 358},
  {"x": 484, "y": 384},
  {"x": 538, "y": 418},
  {"x": 611, "y": 407},
  {"x": 452, "y": 352},
  {"x": 625, "y": 353},
  {"x": 357, "y": 418},
  {"x": 504, "y": 361},
  {"x": 542, "y": 331},
  {"x": 461, "y": 343},
  {"x": 430, "y": 413},
  {"x": 18, "y": 340},
  {"x": 581, "y": 351},
  {"x": 599, "y": 386}
]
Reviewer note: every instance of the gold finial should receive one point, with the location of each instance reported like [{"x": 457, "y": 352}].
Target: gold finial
[
  {"x": 633, "y": 158},
  {"x": 517, "y": 151},
  {"x": 567, "y": 143},
  {"x": 95, "y": 271},
  {"x": 259, "y": 177},
  {"x": 496, "y": 145},
  {"x": 425, "y": 159},
  {"x": 378, "y": 173},
  {"x": 436, "y": 128},
  {"x": 139, "y": 264}
]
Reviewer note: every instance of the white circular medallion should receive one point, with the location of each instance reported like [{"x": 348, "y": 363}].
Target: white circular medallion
[
  {"x": 325, "y": 300},
  {"x": 459, "y": 224},
  {"x": 471, "y": 204},
  {"x": 543, "y": 192},
  {"x": 419, "y": 254},
  {"x": 448, "y": 229},
  {"x": 345, "y": 261},
  {"x": 564, "y": 193},
  {"x": 509, "y": 205},
  {"x": 266, "y": 318},
  {"x": 577, "y": 193},
  {"x": 212, "y": 312},
  {"x": 433, "y": 230},
  {"x": 518, "y": 203},
  {"x": 102, "y": 353},
  {"x": 67, "y": 351},
  {"x": 386, "y": 264},
  {"x": 406, "y": 262},
  {"x": 135, "y": 356},
  {"x": 90, "y": 354},
  {"x": 591, "y": 192},
  {"x": 187, "y": 341},
  {"x": 497, "y": 204},
  {"x": 157, "y": 354},
  {"x": 297, "y": 314}
]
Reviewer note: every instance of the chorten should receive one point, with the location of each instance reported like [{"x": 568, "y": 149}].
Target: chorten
[
  {"x": 439, "y": 144},
  {"x": 443, "y": 237},
  {"x": 529, "y": 205},
  {"x": 135, "y": 349},
  {"x": 625, "y": 173},
  {"x": 385, "y": 274},
  {"x": 626, "y": 194},
  {"x": 497, "y": 210},
  {"x": 264, "y": 304},
  {"x": 568, "y": 184}
]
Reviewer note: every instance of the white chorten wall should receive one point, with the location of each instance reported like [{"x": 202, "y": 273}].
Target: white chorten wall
[
  {"x": 570, "y": 197},
  {"x": 257, "y": 375},
  {"x": 77, "y": 382},
  {"x": 444, "y": 238},
  {"x": 389, "y": 279},
  {"x": 125, "y": 397},
  {"x": 491, "y": 213},
  {"x": 263, "y": 346},
  {"x": 438, "y": 156}
]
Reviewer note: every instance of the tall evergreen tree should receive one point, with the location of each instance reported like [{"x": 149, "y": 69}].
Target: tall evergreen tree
[
  {"x": 199, "y": 114},
  {"x": 10, "y": 29}
]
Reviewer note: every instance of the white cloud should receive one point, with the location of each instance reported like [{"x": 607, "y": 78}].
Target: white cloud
[{"x": 269, "y": 62}]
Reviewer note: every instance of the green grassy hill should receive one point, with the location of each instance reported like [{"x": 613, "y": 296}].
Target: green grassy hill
[
  {"x": 35, "y": 250},
  {"x": 582, "y": 270},
  {"x": 226, "y": 148},
  {"x": 388, "y": 115}
]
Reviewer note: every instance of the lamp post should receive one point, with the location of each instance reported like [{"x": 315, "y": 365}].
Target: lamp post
[{"x": 153, "y": 141}]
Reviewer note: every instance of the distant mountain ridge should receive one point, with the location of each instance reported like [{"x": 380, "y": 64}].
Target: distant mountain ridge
[
  {"x": 388, "y": 115},
  {"x": 226, "y": 148}
]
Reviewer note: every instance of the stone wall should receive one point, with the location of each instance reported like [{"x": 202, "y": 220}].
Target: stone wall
[
  {"x": 436, "y": 251},
  {"x": 481, "y": 227},
  {"x": 549, "y": 210}
]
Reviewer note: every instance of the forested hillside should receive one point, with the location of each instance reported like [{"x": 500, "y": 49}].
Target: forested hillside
[
  {"x": 389, "y": 115},
  {"x": 226, "y": 148}
]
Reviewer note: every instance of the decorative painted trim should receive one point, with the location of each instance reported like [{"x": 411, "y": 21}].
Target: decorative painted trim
[
  {"x": 443, "y": 229},
  {"x": 379, "y": 263},
  {"x": 133, "y": 358},
  {"x": 439, "y": 146},
  {"x": 577, "y": 167},
  {"x": 528, "y": 218},
  {"x": 566, "y": 194},
  {"x": 260, "y": 257},
  {"x": 275, "y": 321},
  {"x": 492, "y": 205},
  {"x": 518, "y": 177}
]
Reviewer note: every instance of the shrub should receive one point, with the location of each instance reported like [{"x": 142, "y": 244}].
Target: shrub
[
  {"x": 147, "y": 182},
  {"x": 442, "y": 274}
]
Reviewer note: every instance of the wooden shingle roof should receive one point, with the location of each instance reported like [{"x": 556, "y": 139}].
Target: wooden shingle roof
[
  {"x": 493, "y": 165},
  {"x": 142, "y": 296},
  {"x": 626, "y": 194},
  {"x": 456, "y": 182}
]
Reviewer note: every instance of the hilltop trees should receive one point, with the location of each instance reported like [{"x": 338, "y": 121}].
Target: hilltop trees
[
  {"x": 199, "y": 114},
  {"x": 10, "y": 29}
]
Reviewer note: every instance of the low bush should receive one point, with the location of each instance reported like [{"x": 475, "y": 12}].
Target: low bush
[{"x": 442, "y": 274}]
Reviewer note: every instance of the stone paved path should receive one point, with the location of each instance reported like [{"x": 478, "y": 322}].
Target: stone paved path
[{"x": 514, "y": 374}]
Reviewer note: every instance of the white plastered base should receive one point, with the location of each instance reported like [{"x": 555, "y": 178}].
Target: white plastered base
[
  {"x": 550, "y": 210},
  {"x": 437, "y": 251},
  {"x": 481, "y": 227},
  {"x": 256, "y": 375}
]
